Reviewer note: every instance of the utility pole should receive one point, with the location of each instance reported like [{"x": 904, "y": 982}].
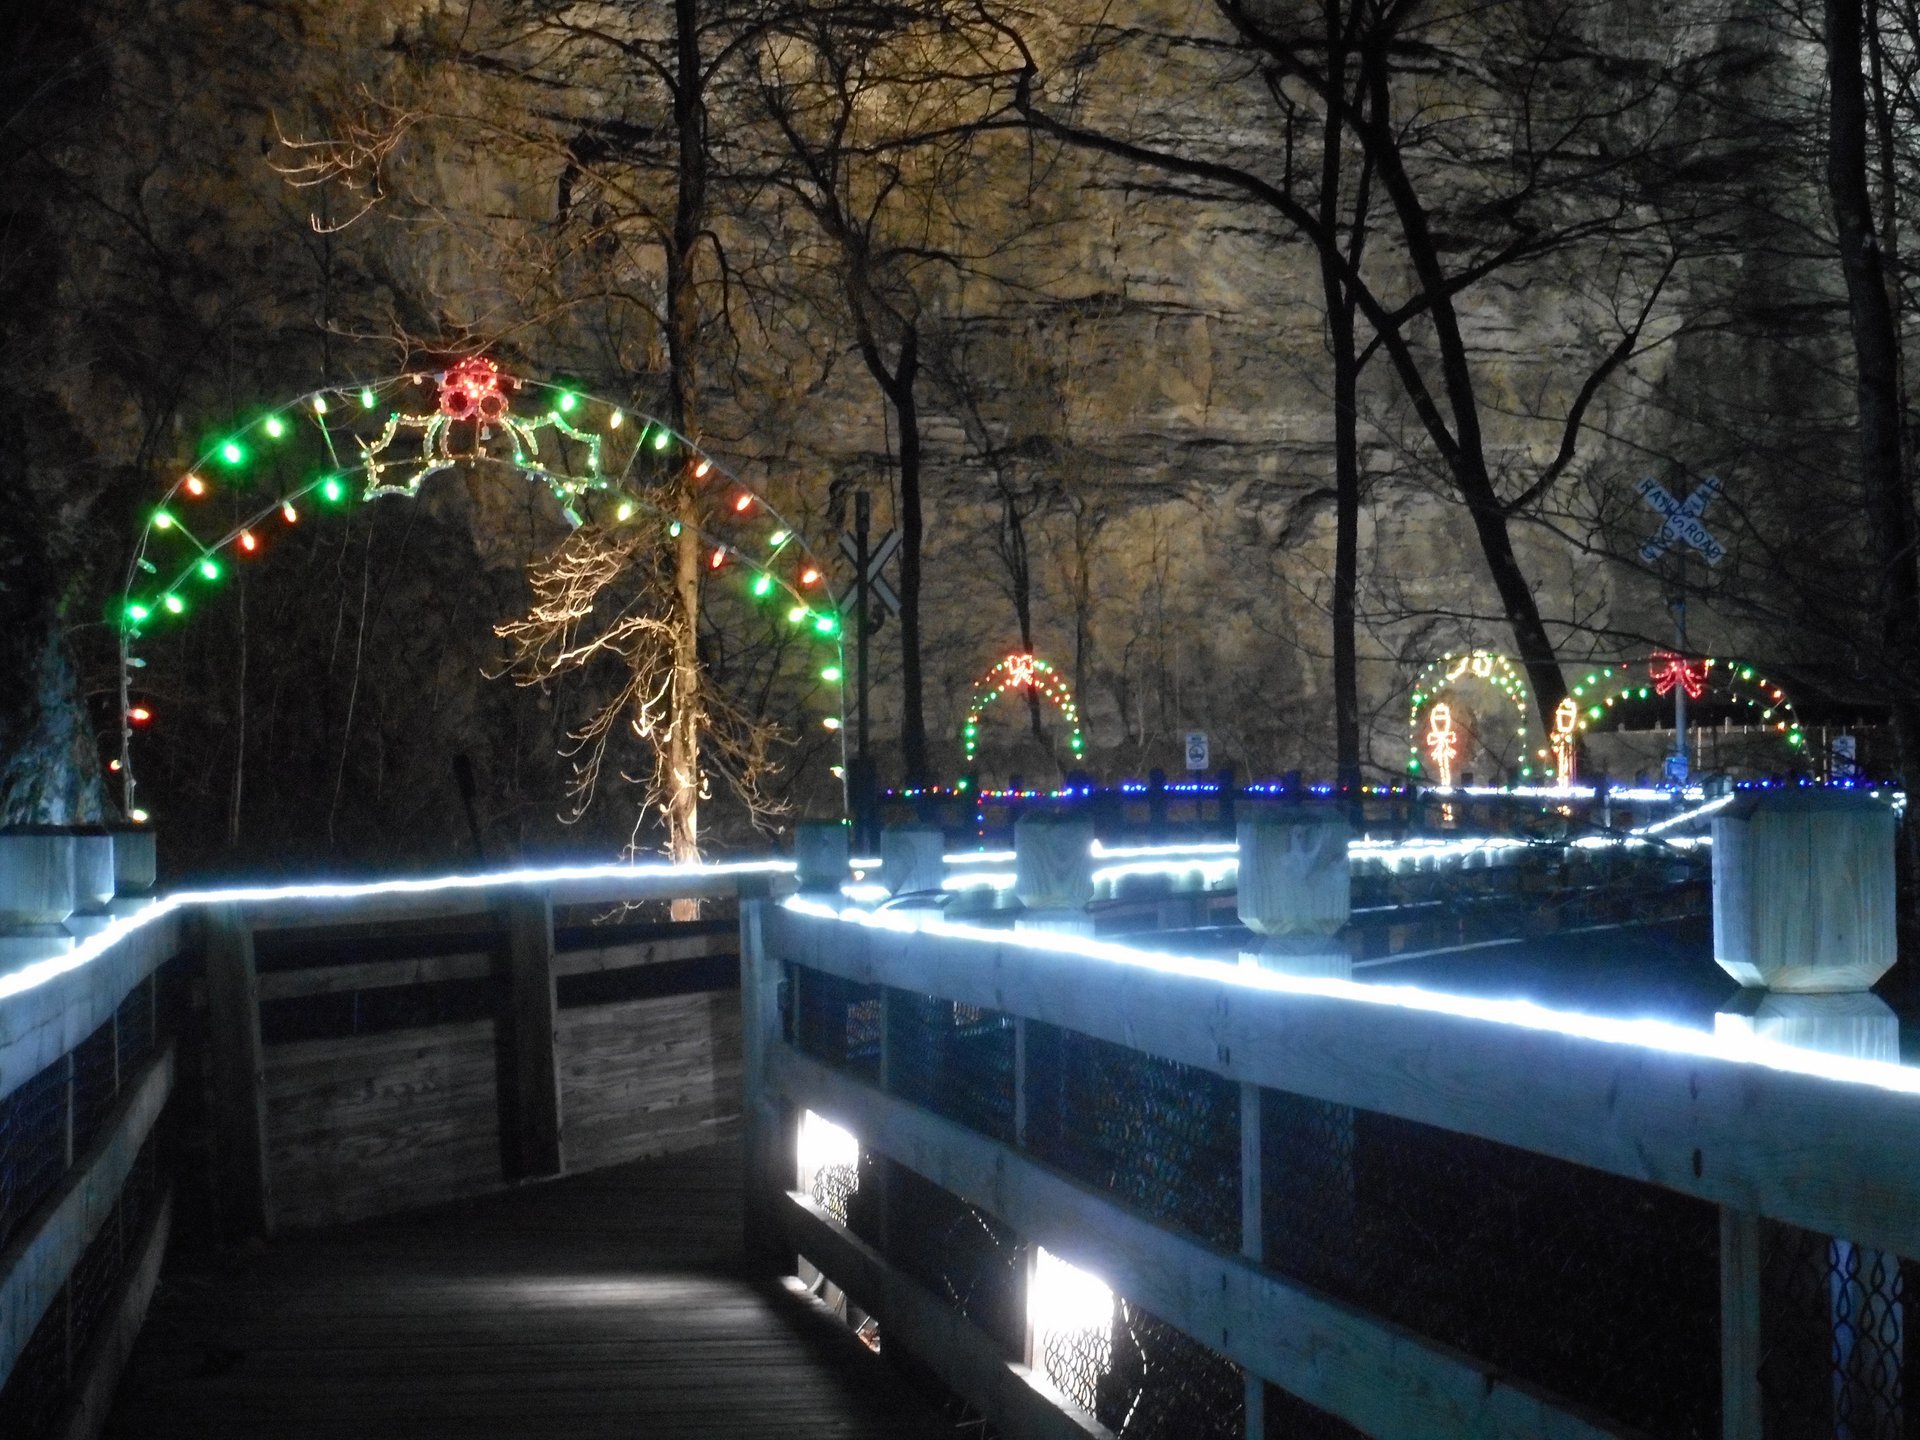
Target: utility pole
[
  {"x": 1679, "y": 764},
  {"x": 864, "y": 788}
]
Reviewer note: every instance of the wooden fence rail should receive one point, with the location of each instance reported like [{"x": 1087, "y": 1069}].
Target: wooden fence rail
[
  {"x": 1764, "y": 1139},
  {"x": 476, "y": 1069}
]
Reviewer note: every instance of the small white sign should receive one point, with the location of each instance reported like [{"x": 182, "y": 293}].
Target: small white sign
[
  {"x": 1846, "y": 757},
  {"x": 1198, "y": 755}
]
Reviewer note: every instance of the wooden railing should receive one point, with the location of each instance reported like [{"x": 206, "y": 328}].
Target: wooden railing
[
  {"x": 1634, "y": 1191},
  {"x": 87, "y": 1065},
  {"x": 379, "y": 1051},
  {"x": 366, "y": 1049}
]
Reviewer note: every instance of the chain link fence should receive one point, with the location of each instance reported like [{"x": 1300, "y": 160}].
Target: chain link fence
[
  {"x": 1834, "y": 1340},
  {"x": 1163, "y": 1139},
  {"x": 1592, "y": 1287},
  {"x": 1596, "y": 1288},
  {"x": 67, "y": 1105}
]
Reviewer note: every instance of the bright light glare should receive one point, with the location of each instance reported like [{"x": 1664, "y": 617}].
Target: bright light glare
[
  {"x": 824, "y": 1145},
  {"x": 1071, "y": 1313},
  {"x": 40, "y": 972},
  {"x": 1646, "y": 1034}
]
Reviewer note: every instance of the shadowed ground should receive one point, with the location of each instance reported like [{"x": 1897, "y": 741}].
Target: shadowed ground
[{"x": 610, "y": 1304}]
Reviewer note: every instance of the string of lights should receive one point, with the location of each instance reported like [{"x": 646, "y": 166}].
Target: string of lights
[
  {"x": 601, "y": 462},
  {"x": 1606, "y": 690},
  {"x": 1021, "y": 672}
]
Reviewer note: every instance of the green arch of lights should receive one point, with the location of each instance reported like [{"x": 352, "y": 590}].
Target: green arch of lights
[
  {"x": 1016, "y": 672},
  {"x": 598, "y": 458},
  {"x": 1603, "y": 693},
  {"x": 1468, "y": 667}
]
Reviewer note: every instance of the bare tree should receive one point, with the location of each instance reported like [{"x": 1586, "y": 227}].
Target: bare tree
[
  {"x": 877, "y": 109},
  {"x": 1540, "y": 153}
]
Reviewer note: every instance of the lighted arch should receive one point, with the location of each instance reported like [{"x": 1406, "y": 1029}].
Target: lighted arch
[
  {"x": 1017, "y": 672},
  {"x": 387, "y": 438},
  {"x": 1463, "y": 667},
  {"x": 1604, "y": 693}
]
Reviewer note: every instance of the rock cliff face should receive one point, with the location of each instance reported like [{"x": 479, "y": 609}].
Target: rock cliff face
[{"x": 1126, "y": 408}]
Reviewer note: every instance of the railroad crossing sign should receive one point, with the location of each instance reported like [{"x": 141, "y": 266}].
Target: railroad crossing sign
[
  {"x": 1682, "y": 520},
  {"x": 877, "y": 557}
]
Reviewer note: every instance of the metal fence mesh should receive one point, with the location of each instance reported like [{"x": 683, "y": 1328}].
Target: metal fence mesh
[
  {"x": 35, "y": 1392},
  {"x": 38, "y": 1391},
  {"x": 1165, "y": 1385},
  {"x": 1160, "y": 1137},
  {"x": 1600, "y": 1289},
  {"x": 96, "y": 1083},
  {"x": 955, "y": 1060},
  {"x": 1597, "y": 1289},
  {"x": 1834, "y": 1341},
  {"x": 973, "y": 1261},
  {"x": 836, "y": 1021},
  {"x": 33, "y": 1145},
  {"x": 135, "y": 1025}
]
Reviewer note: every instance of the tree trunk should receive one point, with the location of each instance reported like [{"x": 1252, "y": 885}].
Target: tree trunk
[
  {"x": 1876, "y": 346},
  {"x": 1346, "y": 430},
  {"x": 683, "y": 335},
  {"x": 913, "y": 719},
  {"x": 1464, "y": 448}
]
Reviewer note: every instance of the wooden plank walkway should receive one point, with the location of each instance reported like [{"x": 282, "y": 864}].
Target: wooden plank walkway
[{"x": 612, "y": 1304}]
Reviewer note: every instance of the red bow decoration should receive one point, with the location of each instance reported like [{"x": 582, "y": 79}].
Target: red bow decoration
[
  {"x": 471, "y": 391},
  {"x": 1669, "y": 669}
]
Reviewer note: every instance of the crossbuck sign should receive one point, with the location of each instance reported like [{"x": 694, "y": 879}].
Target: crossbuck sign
[
  {"x": 1682, "y": 520},
  {"x": 877, "y": 557}
]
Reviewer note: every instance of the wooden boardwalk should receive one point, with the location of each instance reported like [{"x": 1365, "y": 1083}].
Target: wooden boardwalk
[{"x": 612, "y": 1304}]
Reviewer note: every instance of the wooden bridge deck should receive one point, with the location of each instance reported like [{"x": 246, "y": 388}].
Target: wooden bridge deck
[{"x": 610, "y": 1304}]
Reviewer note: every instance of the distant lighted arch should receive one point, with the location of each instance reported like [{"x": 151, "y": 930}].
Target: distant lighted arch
[
  {"x": 1603, "y": 695},
  {"x": 1022, "y": 672},
  {"x": 1457, "y": 668}
]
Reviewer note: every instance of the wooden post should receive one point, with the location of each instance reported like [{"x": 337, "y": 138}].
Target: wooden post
[
  {"x": 241, "y": 1190},
  {"x": 1740, "y": 1258},
  {"x": 769, "y": 1159},
  {"x": 1020, "y": 1062},
  {"x": 1296, "y": 890},
  {"x": 1053, "y": 870},
  {"x": 529, "y": 1022},
  {"x": 1252, "y": 1235}
]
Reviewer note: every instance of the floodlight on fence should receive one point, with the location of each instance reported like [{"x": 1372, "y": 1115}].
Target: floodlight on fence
[
  {"x": 827, "y": 1163},
  {"x": 1070, "y": 1315}
]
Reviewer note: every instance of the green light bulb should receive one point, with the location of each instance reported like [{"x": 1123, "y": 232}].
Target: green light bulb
[
  {"x": 175, "y": 605},
  {"x": 763, "y": 584},
  {"x": 232, "y": 453},
  {"x": 568, "y": 400},
  {"x": 162, "y": 520},
  {"x": 137, "y": 612},
  {"x": 777, "y": 539},
  {"x": 831, "y": 674},
  {"x": 209, "y": 569},
  {"x": 825, "y": 624},
  {"x": 796, "y": 614},
  {"x": 674, "y": 529},
  {"x": 331, "y": 489},
  {"x": 319, "y": 404},
  {"x": 276, "y": 427},
  {"x": 366, "y": 399},
  {"x": 662, "y": 440}
]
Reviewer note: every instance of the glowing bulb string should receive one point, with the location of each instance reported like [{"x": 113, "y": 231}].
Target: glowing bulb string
[{"x": 471, "y": 393}]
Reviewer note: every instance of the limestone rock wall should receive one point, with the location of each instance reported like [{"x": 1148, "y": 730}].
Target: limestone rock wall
[{"x": 1138, "y": 374}]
